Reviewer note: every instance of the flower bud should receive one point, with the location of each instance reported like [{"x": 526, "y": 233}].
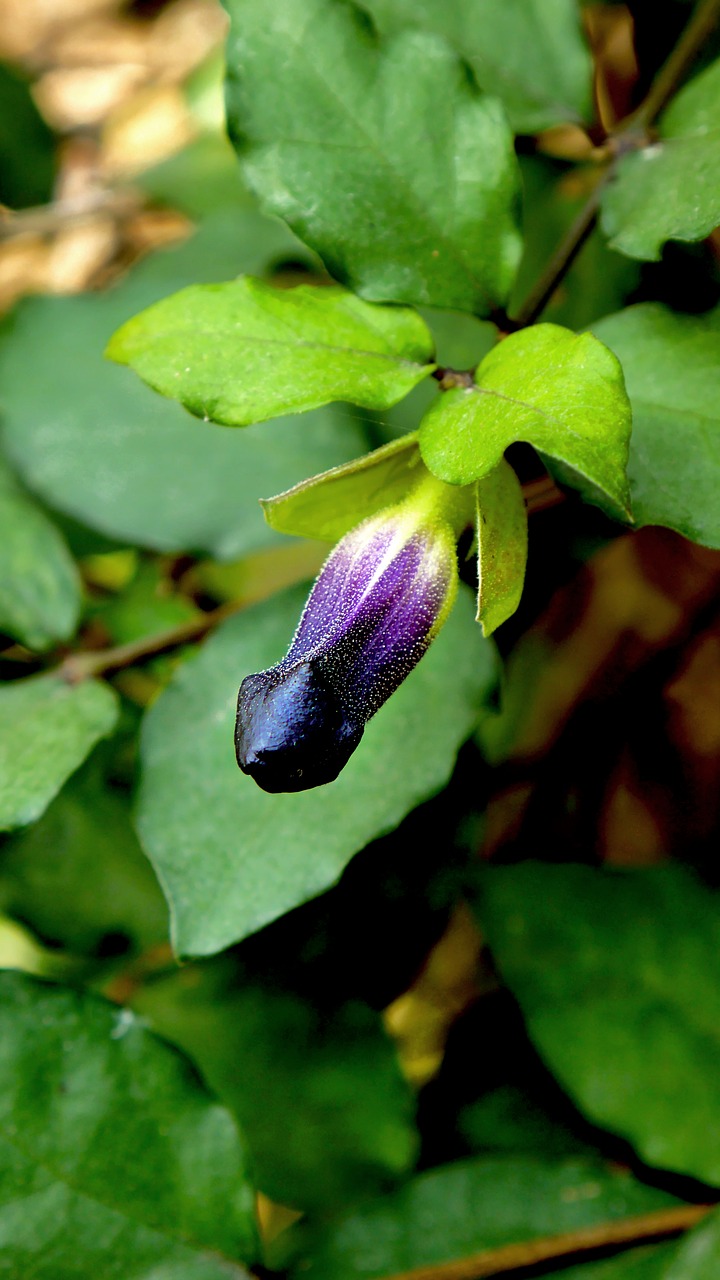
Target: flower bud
[{"x": 378, "y": 602}]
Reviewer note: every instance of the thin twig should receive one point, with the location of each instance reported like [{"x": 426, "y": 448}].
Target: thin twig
[
  {"x": 46, "y": 219},
  {"x": 679, "y": 63},
  {"x": 630, "y": 134},
  {"x": 79, "y": 666},
  {"x": 513, "y": 1257}
]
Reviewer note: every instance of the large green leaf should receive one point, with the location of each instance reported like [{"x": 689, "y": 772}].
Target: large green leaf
[
  {"x": 618, "y": 976},
  {"x": 113, "y": 1160},
  {"x": 316, "y": 1085},
  {"x": 39, "y": 584},
  {"x": 244, "y": 351},
  {"x": 460, "y": 1210},
  {"x": 670, "y": 190},
  {"x": 79, "y": 878},
  {"x": 98, "y": 445},
  {"x": 529, "y": 53},
  {"x": 230, "y": 856},
  {"x": 672, "y": 372},
  {"x": 47, "y": 728},
  {"x": 383, "y": 157},
  {"x": 559, "y": 391}
]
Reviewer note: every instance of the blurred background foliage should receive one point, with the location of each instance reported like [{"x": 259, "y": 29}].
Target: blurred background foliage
[{"x": 425, "y": 1060}]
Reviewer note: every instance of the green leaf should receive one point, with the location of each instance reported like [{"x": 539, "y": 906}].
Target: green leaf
[
  {"x": 99, "y": 446},
  {"x": 230, "y": 856},
  {"x": 79, "y": 878},
  {"x": 201, "y": 179},
  {"x": 244, "y": 351},
  {"x": 113, "y": 1159},
  {"x": 47, "y": 728},
  {"x": 529, "y": 53},
  {"x": 317, "y": 1088},
  {"x": 502, "y": 546},
  {"x": 559, "y": 391},
  {"x": 672, "y": 371},
  {"x": 671, "y": 189},
  {"x": 618, "y": 977},
  {"x": 461, "y": 1210},
  {"x": 383, "y": 157},
  {"x": 39, "y": 584},
  {"x": 329, "y": 505}
]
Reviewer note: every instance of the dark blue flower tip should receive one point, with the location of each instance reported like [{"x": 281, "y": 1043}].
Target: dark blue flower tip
[{"x": 292, "y": 731}]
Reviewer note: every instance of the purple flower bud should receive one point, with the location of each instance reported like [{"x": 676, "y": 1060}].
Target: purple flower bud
[{"x": 380, "y": 599}]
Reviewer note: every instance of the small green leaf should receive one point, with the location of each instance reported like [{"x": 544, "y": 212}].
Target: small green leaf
[
  {"x": 94, "y": 442},
  {"x": 672, "y": 371},
  {"x": 502, "y": 546},
  {"x": 39, "y": 583},
  {"x": 244, "y": 351},
  {"x": 79, "y": 876},
  {"x": 47, "y": 728},
  {"x": 670, "y": 190},
  {"x": 261, "y": 854},
  {"x": 383, "y": 157},
  {"x": 316, "y": 1087},
  {"x": 618, "y": 977},
  {"x": 559, "y": 391},
  {"x": 461, "y": 1210},
  {"x": 114, "y": 1162},
  {"x": 329, "y": 505},
  {"x": 529, "y": 53}
]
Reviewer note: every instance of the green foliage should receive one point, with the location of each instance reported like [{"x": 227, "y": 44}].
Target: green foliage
[
  {"x": 39, "y": 583},
  {"x": 243, "y": 352},
  {"x": 112, "y": 1158},
  {"x": 469, "y": 1207},
  {"x": 502, "y": 538},
  {"x": 383, "y": 157},
  {"x": 614, "y": 971},
  {"x": 99, "y": 446},
  {"x": 562, "y": 392},
  {"x": 27, "y": 165},
  {"x": 671, "y": 190},
  {"x": 672, "y": 373},
  {"x": 529, "y": 53},
  {"x": 47, "y": 728},
  {"x": 316, "y": 1087},
  {"x": 265, "y": 854}
]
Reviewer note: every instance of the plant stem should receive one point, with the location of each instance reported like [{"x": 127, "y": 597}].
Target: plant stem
[
  {"x": 514, "y": 1257},
  {"x": 674, "y": 71},
  {"x": 630, "y": 134},
  {"x": 79, "y": 666}
]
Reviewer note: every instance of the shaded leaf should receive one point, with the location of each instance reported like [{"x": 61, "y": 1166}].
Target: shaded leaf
[
  {"x": 39, "y": 583},
  {"x": 383, "y": 157},
  {"x": 529, "y": 53},
  {"x": 672, "y": 373},
  {"x": 329, "y": 505},
  {"x": 113, "y": 1160},
  {"x": 263, "y": 854},
  {"x": 244, "y": 351},
  {"x": 502, "y": 546},
  {"x": 317, "y": 1087},
  {"x": 671, "y": 189},
  {"x": 559, "y": 391},
  {"x": 26, "y": 145},
  {"x": 78, "y": 877},
  {"x": 464, "y": 1209},
  {"x": 47, "y": 728},
  {"x": 98, "y": 445},
  {"x": 695, "y": 1257},
  {"x": 618, "y": 977}
]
